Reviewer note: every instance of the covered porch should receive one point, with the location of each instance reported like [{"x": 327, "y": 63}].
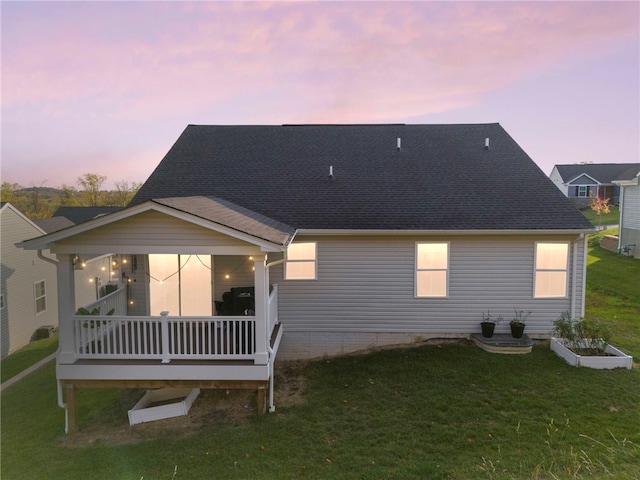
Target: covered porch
[{"x": 125, "y": 340}]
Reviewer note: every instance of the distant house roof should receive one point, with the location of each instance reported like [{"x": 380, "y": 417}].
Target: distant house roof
[
  {"x": 603, "y": 173},
  {"x": 441, "y": 178},
  {"x": 82, "y": 214},
  {"x": 53, "y": 224}
]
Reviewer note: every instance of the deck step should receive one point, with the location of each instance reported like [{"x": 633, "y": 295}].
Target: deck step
[{"x": 503, "y": 343}]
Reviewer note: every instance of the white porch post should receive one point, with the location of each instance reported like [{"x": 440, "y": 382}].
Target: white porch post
[
  {"x": 66, "y": 309},
  {"x": 262, "y": 295}
]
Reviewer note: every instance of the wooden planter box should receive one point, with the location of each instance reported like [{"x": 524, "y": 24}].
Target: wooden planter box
[
  {"x": 615, "y": 359},
  {"x": 143, "y": 413}
]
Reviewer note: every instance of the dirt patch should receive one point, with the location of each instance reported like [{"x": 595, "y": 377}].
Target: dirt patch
[{"x": 211, "y": 408}]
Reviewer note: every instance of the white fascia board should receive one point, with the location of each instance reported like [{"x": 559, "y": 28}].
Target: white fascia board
[
  {"x": 442, "y": 232},
  {"x": 48, "y": 241},
  {"x": 583, "y": 175},
  {"x": 628, "y": 183},
  {"x": 9, "y": 206}
]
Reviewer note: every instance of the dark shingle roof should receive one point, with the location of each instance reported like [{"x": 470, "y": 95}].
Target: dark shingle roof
[
  {"x": 83, "y": 214},
  {"x": 605, "y": 173},
  {"x": 442, "y": 178},
  {"x": 53, "y": 224},
  {"x": 232, "y": 216}
]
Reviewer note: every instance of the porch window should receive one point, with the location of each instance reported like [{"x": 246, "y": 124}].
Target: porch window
[
  {"x": 551, "y": 270},
  {"x": 432, "y": 269},
  {"x": 583, "y": 191},
  {"x": 301, "y": 261},
  {"x": 40, "y": 296},
  {"x": 180, "y": 284}
]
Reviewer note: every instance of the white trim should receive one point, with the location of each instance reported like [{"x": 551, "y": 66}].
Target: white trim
[
  {"x": 36, "y": 297},
  {"x": 315, "y": 262},
  {"x": 417, "y": 270},
  {"x": 354, "y": 232},
  {"x": 568, "y": 183},
  {"x": 9, "y": 206},
  {"x": 536, "y": 270}
]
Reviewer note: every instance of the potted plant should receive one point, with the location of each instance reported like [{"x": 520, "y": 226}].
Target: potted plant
[
  {"x": 585, "y": 343},
  {"x": 517, "y": 324},
  {"x": 488, "y": 324}
]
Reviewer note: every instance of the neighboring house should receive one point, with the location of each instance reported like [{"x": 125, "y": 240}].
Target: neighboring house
[
  {"x": 629, "y": 235},
  {"x": 582, "y": 182},
  {"x": 82, "y": 214},
  {"x": 95, "y": 277},
  {"x": 248, "y": 242},
  {"x": 28, "y": 293}
]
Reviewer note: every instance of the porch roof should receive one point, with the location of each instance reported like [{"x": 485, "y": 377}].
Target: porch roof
[{"x": 211, "y": 213}]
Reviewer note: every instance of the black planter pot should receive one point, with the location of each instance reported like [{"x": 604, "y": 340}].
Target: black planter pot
[
  {"x": 517, "y": 329},
  {"x": 487, "y": 329}
]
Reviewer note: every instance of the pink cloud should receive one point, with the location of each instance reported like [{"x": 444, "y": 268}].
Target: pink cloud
[{"x": 112, "y": 63}]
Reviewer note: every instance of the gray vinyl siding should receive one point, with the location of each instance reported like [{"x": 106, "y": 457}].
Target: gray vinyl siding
[
  {"x": 21, "y": 269},
  {"x": 366, "y": 285},
  {"x": 630, "y": 221}
]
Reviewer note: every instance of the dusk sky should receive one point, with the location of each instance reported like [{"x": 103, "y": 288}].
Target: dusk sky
[{"x": 107, "y": 87}]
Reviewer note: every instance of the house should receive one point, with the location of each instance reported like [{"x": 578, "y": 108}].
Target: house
[
  {"x": 582, "y": 182},
  {"x": 629, "y": 235},
  {"x": 299, "y": 241},
  {"x": 28, "y": 292}
]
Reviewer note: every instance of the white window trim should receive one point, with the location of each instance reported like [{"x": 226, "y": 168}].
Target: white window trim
[
  {"x": 565, "y": 270},
  {"x": 315, "y": 265},
  {"x": 581, "y": 193},
  {"x": 36, "y": 297},
  {"x": 447, "y": 271}
]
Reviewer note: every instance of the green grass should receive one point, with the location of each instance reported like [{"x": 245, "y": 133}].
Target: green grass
[
  {"x": 27, "y": 356},
  {"x": 449, "y": 411},
  {"x": 611, "y": 218}
]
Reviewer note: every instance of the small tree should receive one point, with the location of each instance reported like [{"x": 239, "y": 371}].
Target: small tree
[
  {"x": 91, "y": 182},
  {"x": 600, "y": 206}
]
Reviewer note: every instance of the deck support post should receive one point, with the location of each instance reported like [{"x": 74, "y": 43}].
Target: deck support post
[
  {"x": 72, "y": 407},
  {"x": 262, "y": 400}
]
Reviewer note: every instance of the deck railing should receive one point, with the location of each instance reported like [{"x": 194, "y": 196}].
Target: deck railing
[
  {"x": 164, "y": 338},
  {"x": 116, "y": 300}
]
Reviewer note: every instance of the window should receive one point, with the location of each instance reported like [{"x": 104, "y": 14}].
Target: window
[
  {"x": 551, "y": 270},
  {"x": 301, "y": 261},
  {"x": 41, "y": 296},
  {"x": 1, "y": 301},
  {"x": 583, "y": 191},
  {"x": 432, "y": 267}
]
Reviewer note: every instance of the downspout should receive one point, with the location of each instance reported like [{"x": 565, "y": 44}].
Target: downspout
[
  {"x": 272, "y": 407},
  {"x": 620, "y": 221},
  {"x": 574, "y": 276},
  {"x": 61, "y": 403},
  {"x": 585, "y": 240},
  {"x": 46, "y": 259}
]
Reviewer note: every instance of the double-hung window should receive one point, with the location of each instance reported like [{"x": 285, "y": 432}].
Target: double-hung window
[
  {"x": 40, "y": 296},
  {"x": 432, "y": 269},
  {"x": 301, "y": 261},
  {"x": 551, "y": 260}
]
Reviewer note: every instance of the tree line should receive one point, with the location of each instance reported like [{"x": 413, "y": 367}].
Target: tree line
[{"x": 42, "y": 202}]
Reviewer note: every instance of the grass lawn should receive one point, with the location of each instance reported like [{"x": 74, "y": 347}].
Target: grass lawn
[
  {"x": 27, "y": 356},
  {"x": 448, "y": 411},
  {"x": 611, "y": 218}
]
